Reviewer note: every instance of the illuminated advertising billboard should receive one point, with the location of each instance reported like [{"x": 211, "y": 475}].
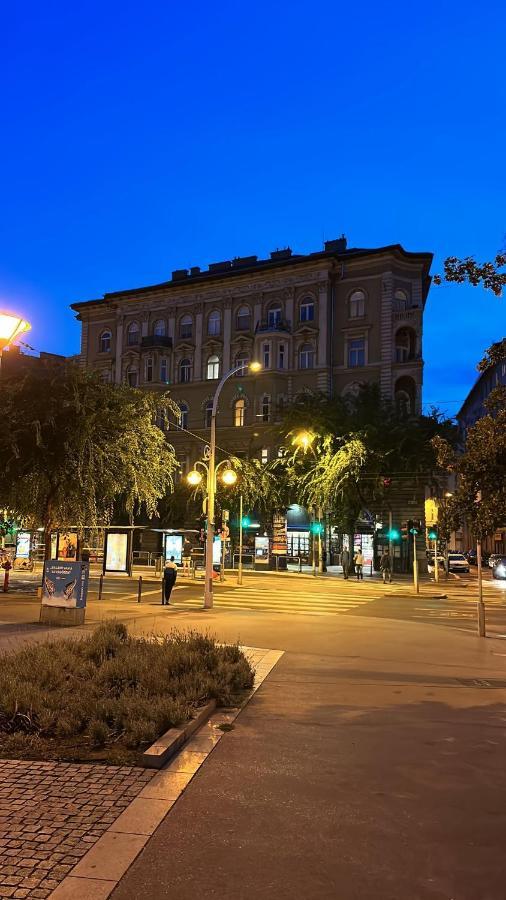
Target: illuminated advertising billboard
[
  {"x": 174, "y": 547},
  {"x": 116, "y": 554}
]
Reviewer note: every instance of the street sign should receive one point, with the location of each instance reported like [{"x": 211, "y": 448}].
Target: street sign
[{"x": 225, "y": 515}]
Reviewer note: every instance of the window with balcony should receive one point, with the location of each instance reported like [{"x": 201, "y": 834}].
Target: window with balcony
[
  {"x": 242, "y": 359},
  {"x": 239, "y": 409},
  {"x": 133, "y": 334},
  {"x": 266, "y": 356},
  {"x": 356, "y": 352},
  {"x": 148, "y": 369},
  {"x": 185, "y": 371},
  {"x": 213, "y": 368},
  {"x": 306, "y": 356},
  {"x": 159, "y": 328},
  {"x": 164, "y": 371},
  {"x": 357, "y": 304},
  {"x": 214, "y": 323},
  {"x": 243, "y": 319},
  {"x": 105, "y": 341},
  {"x": 405, "y": 345},
  {"x": 401, "y": 301},
  {"x": 274, "y": 316},
  {"x": 183, "y": 415},
  {"x": 306, "y": 311},
  {"x": 186, "y": 327}
]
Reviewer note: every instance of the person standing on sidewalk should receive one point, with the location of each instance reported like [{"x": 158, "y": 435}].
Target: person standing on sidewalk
[
  {"x": 386, "y": 567},
  {"x": 345, "y": 562},
  {"x": 358, "y": 559},
  {"x": 169, "y": 580}
]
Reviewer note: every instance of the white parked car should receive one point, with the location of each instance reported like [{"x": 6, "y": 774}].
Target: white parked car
[{"x": 457, "y": 562}]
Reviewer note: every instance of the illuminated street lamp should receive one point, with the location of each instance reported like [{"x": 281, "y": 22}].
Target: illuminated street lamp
[
  {"x": 229, "y": 477},
  {"x": 304, "y": 439},
  {"x": 10, "y": 328},
  {"x": 194, "y": 478},
  {"x": 253, "y": 367}
]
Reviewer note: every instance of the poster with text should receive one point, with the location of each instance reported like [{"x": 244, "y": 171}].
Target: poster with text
[
  {"x": 65, "y": 583},
  {"x": 23, "y": 545},
  {"x": 67, "y": 545},
  {"x": 116, "y": 557}
]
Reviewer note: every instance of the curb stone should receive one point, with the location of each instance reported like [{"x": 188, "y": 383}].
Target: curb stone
[{"x": 98, "y": 872}]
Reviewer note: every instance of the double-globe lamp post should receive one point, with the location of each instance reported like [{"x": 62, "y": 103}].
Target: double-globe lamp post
[
  {"x": 228, "y": 477},
  {"x": 304, "y": 440}
]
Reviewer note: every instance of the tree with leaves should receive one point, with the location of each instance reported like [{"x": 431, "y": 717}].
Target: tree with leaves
[
  {"x": 71, "y": 447},
  {"x": 467, "y": 270},
  {"x": 480, "y": 496}
]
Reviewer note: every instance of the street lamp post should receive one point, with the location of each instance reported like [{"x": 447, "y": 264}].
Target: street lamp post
[
  {"x": 305, "y": 441},
  {"x": 10, "y": 328},
  {"x": 239, "y": 571},
  {"x": 211, "y": 482}
]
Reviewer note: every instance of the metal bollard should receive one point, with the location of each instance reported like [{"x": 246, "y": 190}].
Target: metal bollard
[
  {"x": 139, "y": 590},
  {"x": 100, "y": 586}
]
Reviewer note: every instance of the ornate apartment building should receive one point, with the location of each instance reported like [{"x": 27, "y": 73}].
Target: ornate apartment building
[{"x": 322, "y": 322}]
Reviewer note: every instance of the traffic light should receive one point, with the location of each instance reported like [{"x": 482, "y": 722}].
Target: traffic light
[
  {"x": 433, "y": 533},
  {"x": 415, "y": 526},
  {"x": 316, "y": 528},
  {"x": 387, "y": 482},
  {"x": 405, "y": 530},
  {"x": 246, "y": 521},
  {"x": 393, "y": 534}
]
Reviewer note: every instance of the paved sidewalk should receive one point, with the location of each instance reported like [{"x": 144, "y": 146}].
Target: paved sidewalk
[{"x": 369, "y": 766}]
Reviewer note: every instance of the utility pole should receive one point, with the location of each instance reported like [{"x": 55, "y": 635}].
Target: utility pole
[
  {"x": 239, "y": 573},
  {"x": 415, "y": 564},
  {"x": 480, "y": 606},
  {"x": 436, "y": 562}
]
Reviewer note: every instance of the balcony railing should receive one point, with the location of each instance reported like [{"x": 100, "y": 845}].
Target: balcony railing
[
  {"x": 275, "y": 325},
  {"x": 156, "y": 340}
]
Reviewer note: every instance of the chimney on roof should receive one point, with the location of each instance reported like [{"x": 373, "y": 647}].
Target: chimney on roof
[
  {"x": 337, "y": 246},
  {"x": 285, "y": 253},
  {"x": 195, "y": 270},
  {"x": 179, "y": 274}
]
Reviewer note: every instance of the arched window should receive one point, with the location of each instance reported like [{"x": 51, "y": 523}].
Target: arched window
[
  {"x": 243, "y": 319},
  {"x": 185, "y": 371},
  {"x": 400, "y": 301},
  {"x": 405, "y": 344},
  {"x": 306, "y": 310},
  {"x": 405, "y": 395},
  {"x": 208, "y": 412},
  {"x": 242, "y": 359},
  {"x": 214, "y": 322},
  {"x": 186, "y": 327},
  {"x": 274, "y": 316},
  {"x": 213, "y": 368},
  {"x": 132, "y": 376},
  {"x": 105, "y": 341},
  {"x": 183, "y": 418},
  {"x": 357, "y": 304},
  {"x": 266, "y": 408},
  {"x": 159, "y": 328},
  {"x": 133, "y": 334},
  {"x": 306, "y": 356},
  {"x": 239, "y": 407}
]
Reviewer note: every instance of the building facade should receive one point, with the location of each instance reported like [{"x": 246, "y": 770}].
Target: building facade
[{"x": 324, "y": 322}]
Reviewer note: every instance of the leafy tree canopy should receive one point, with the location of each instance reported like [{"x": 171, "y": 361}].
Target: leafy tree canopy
[
  {"x": 467, "y": 270},
  {"x": 70, "y": 446}
]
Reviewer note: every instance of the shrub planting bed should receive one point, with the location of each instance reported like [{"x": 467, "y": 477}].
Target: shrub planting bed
[{"x": 108, "y": 696}]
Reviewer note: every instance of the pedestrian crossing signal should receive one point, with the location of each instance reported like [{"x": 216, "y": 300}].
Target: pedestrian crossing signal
[
  {"x": 393, "y": 534},
  {"x": 433, "y": 534}
]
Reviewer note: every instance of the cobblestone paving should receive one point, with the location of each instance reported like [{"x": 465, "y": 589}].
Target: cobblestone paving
[{"x": 51, "y": 814}]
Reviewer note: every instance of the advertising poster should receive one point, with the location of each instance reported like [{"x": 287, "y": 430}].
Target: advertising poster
[
  {"x": 65, "y": 584},
  {"x": 23, "y": 545},
  {"x": 261, "y": 549},
  {"x": 279, "y": 542},
  {"x": 116, "y": 556},
  {"x": 67, "y": 545},
  {"x": 217, "y": 551},
  {"x": 174, "y": 547}
]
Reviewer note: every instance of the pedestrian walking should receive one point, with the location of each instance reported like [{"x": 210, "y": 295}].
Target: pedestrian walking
[
  {"x": 358, "y": 559},
  {"x": 345, "y": 562},
  {"x": 386, "y": 567},
  {"x": 169, "y": 580}
]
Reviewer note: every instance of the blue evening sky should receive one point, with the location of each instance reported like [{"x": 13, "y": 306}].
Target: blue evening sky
[{"x": 138, "y": 138}]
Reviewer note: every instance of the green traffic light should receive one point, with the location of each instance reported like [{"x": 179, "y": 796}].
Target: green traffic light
[
  {"x": 432, "y": 535},
  {"x": 246, "y": 522},
  {"x": 393, "y": 534}
]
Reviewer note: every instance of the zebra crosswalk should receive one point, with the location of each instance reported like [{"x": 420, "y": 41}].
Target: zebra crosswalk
[{"x": 289, "y": 601}]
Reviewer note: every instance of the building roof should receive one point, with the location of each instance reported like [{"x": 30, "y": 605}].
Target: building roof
[{"x": 248, "y": 265}]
